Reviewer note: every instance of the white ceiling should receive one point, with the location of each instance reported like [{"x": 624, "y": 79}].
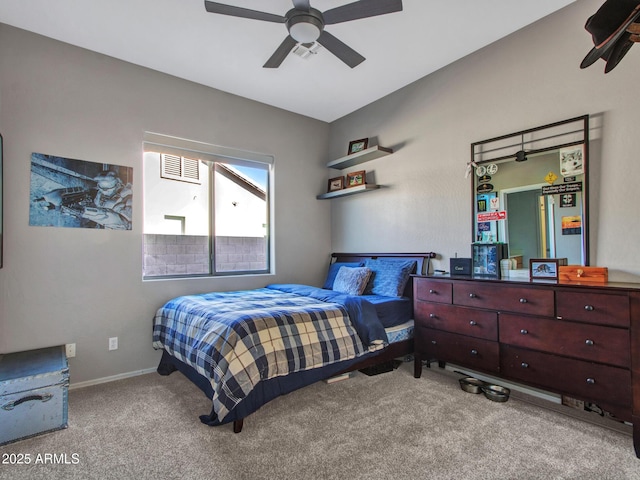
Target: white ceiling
[{"x": 180, "y": 38}]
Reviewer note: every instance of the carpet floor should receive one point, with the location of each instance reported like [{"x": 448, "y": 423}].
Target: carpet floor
[{"x": 389, "y": 426}]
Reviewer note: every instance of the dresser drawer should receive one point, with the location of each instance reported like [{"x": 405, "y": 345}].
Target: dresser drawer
[
  {"x": 459, "y": 349},
  {"x": 431, "y": 290},
  {"x": 465, "y": 321},
  {"x": 588, "y": 307},
  {"x": 585, "y": 380},
  {"x": 532, "y": 301},
  {"x": 588, "y": 342}
]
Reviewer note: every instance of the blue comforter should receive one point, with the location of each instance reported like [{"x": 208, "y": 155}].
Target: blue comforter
[{"x": 239, "y": 339}]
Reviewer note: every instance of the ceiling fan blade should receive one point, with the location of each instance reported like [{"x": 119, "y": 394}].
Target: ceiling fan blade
[
  {"x": 361, "y": 9},
  {"x": 302, "y": 5},
  {"x": 341, "y": 50},
  {"x": 281, "y": 53},
  {"x": 221, "y": 8}
]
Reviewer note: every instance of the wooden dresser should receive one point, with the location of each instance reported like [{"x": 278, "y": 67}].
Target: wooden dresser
[{"x": 582, "y": 341}]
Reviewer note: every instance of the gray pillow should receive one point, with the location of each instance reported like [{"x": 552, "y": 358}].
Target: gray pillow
[
  {"x": 333, "y": 271},
  {"x": 351, "y": 281}
]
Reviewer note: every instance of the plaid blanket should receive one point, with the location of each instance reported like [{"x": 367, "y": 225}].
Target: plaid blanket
[{"x": 237, "y": 339}]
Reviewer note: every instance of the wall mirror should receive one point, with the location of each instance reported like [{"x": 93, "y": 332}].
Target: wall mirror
[{"x": 530, "y": 191}]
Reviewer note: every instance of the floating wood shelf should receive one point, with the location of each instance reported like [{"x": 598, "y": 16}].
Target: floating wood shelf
[
  {"x": 347, "y": 191},
  {"x": 366, "y": 155}
]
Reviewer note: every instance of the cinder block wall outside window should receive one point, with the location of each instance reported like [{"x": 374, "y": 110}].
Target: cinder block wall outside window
[{"x": 188, "y": 254}]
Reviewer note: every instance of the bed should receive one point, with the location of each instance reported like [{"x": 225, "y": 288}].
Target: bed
[{"x": 245, "y": 348}]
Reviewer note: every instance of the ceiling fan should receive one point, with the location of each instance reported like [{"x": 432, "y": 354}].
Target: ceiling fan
[{"x": 306, "y": 25}]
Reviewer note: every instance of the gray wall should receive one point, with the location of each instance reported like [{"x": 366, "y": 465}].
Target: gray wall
[
  {"x": 528, "y": 79},
  {"x": 71, "y": 285},
  {"x": 63, "y": 285}
]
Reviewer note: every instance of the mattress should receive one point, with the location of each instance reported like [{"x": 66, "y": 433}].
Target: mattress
[{"x": 391, "y": 311}]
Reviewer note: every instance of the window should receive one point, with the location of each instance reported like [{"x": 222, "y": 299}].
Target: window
[{"x": 206, "y": 209}]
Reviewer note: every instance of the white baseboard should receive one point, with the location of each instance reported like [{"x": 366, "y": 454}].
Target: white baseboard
[
  {"x": 534, "y": 392},
  {"x": 540, "y": 398},
  {"x": 112, "y": 378}
]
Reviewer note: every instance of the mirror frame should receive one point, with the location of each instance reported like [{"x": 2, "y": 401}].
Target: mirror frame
[{"x": 545, "y": 138}]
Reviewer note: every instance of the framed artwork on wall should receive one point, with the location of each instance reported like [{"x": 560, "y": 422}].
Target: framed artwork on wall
[
  {"x": 356, "y": 178},
  {"x": 67, "y": 192},
  {"x": 356, "y": 146},
  {"x": 336, "y": 183}
]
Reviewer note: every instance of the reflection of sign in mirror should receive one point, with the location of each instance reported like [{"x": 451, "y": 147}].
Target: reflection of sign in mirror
[
  {"x": 568, "y": 200},
  {"x": 572, "y": 225},
  {"x": 491, "y": 216},
  {"x": 484, "y": 188},
  {"x": 562, "y": 188},
  {"x": 551, "y": 177}
]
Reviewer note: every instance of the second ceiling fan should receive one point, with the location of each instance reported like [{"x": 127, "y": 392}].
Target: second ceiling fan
[{"x": 306, "y": 25}]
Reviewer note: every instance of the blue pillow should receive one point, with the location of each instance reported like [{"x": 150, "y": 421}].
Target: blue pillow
[
  {"x": 333, "y": 271},
  {"x": 351, "y": 281},
  {"x": 389, "y": 277}
]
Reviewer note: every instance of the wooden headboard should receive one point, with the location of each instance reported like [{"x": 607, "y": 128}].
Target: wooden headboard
[{"x": 422, "y": 262}]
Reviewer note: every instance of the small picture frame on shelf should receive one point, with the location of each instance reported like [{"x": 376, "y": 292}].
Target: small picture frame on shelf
[
  {"x": 355, "y": 179},
  {"x": 545, "y": 268},
  {"x": 356, "y": 146},
  {"x": 336, "y": 183}
]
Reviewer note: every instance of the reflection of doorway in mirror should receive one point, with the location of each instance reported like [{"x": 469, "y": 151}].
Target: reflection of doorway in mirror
[
  {"x": 526, "y": 229},
  {"x": 534, "y": 224}
]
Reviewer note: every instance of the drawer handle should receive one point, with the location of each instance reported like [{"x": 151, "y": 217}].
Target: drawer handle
[
  {"x": 589, "y": 308},
  {"x": 524, "y": 332},
  {"x": 589, "y": 342},
  {"x": 43, "y": 398},
  {"x": 473, "y": 323},
  {"x": 524, "y": 365},
  {"x": 474, "y": 352},
  {"x": 523, "y": 300},
  {"x": 431, "y": 290},
  {"x": 433, "y": 342},
  {"x": 473, "y": 295},
  {"x": 591, "y": 381},
  {"x": 432, "y": 315}
]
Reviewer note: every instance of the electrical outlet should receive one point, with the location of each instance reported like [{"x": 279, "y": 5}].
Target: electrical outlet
[
  {"x": 71, "y": 350},
  {"x": 113, "y": 343}
]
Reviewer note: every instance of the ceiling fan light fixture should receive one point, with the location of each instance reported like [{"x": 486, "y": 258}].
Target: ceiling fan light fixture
[
  {"x": 521, "y": 155},
  {"x": 305, "y": 28},
  {"x": 304, "y": 32}
]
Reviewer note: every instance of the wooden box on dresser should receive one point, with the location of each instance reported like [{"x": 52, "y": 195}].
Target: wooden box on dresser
[{"x": 582, "y": 341}]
